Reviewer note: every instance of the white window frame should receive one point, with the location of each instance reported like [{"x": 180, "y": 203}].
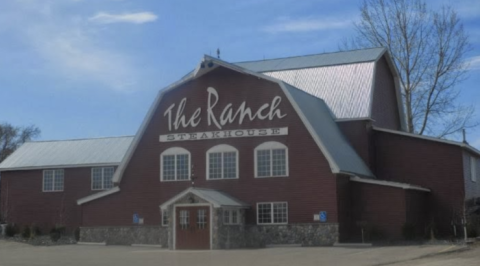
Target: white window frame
[
  {"x": 272, "y": 214},
  {"x": 473, "y": 169},
  {"x": 53, "y": 180},
  {"x": 271, "y": 145},
  {"x": 176, "y": 151},
  {"x": 165, "y": 214},
  {"x": 230, "y": 212},
  {"x": 103, "y": 177},
  {"x": 222, "y": 148}
]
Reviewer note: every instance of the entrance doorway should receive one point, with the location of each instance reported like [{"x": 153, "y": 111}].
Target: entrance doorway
[{"x": 192, "y": 227}]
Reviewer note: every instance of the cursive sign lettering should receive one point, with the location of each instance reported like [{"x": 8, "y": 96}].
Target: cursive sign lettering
[{"x": 228, "y": 115}]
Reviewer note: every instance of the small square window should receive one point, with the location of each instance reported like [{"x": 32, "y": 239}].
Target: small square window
[
  {"x": 231, "y": 217},
  {"x": 53, "y": 180},
  {"x": 102, "y": 178},
  {"x": 272, "y": 213}
]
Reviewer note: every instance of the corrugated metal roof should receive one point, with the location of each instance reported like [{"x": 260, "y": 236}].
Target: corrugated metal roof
[
  {"x": 68, "y": 153},
  {"x": 346, "y": 89},
  {"x": 332, "y": 140},
  {"x": 317, "y": 60}
]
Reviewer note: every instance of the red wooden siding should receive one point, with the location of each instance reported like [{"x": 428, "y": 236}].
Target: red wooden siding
[
  {"x": 29, "y": 205},
  {"x": 430, "y": 164},
  {"x": 385, "y": 111},
  {"x": 381, "y": 208},
  {"x": 308, "y": 189}
]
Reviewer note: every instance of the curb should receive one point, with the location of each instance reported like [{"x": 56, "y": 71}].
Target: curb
[
  {"x": 92, "y": 243},
  {"x": 352, "y": 245},
  {"x": 284, "y": 246},
  {"x": 146, "y": 246}
]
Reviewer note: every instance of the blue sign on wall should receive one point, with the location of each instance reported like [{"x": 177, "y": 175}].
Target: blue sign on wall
[
  {"x": 136, "y": 218},
  {"x": 323, "y": 216}
]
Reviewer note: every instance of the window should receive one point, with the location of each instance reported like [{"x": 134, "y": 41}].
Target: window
[
  {"x": 201, "y": 219},
  {"x": 231, "y": 217},
  {"x": 102, "y": 178},
  {"x": 271, "y": 159},
  {"x": 165, "y": 218},
  {"x": 272, "y": 213},
  {"x": 175, "y": 165},
  {"x": 222, "y": 162},
  {"x": 53, "y": 180},
  {"x": 473, "y": 168},
  {"x": 184, "y": 219}
]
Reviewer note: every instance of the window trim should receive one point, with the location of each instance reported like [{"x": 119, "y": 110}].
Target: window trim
[
  {"x": 272, "y": 214},
  {"x": 473, "y": 169},
  {"x": 176, "y": 151},
  {"x": 53, "y": 180},
  {"x": 103, "y": 176},
  {"x": 230, "y": 211},
  {"x": 163, "y": 216},
  {"x": 222, "y": 148},
  {"x": 271, "y": 145}
]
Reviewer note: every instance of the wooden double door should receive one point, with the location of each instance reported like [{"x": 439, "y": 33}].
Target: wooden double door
[{"x": 192, "y": 227}]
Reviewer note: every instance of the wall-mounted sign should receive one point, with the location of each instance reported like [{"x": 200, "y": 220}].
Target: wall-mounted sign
[
  {"x": 229, "y": 115},
  {"x": 237, "y": 133},
  {"x": 323, "y": 216}
]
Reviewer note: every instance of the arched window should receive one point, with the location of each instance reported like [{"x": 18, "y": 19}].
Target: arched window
[
  {"x": 222, "y": 162},
  {"x": 175, "y": 164},
  {"x": 271, "y": 159}
]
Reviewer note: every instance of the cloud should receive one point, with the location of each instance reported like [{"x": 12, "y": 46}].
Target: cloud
[
  {"x": 306, "y": 25},
  {"x": 135, "y": 18},
  {"x": 74, "y": 53},
  {"x": 474, "y": 62},
  {"x": 68, "y": 50}
]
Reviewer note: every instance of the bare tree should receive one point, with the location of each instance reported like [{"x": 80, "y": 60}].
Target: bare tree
[
  {"x": 428, "y": 47},
  {"x": 11, "y": 137}
]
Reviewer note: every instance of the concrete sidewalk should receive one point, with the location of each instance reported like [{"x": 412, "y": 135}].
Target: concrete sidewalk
[{"x": 12, "y": 253}]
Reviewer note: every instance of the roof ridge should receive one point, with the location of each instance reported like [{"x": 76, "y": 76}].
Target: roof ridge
[
  {"x": 297, "y": 56},
  {"x": 62, "y": 140}
]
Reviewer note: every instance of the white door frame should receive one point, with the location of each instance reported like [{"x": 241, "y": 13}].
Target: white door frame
[{"x": 191, "y": 205}]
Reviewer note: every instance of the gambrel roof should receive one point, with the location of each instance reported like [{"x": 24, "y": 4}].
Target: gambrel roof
[
  {"x": 313, "y": 111},
  {"x": 344, "y": 80}
]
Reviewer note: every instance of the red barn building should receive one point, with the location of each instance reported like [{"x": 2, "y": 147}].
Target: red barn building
[{"x": 303, "y": 150}]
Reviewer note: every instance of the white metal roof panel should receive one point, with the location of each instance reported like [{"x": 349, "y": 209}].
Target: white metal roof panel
[
  {"x": 346, "y": 89},
  {"x": 333, "y": 141},
  {"x": 68, "y": 153},
  {"x": 316, "y": 60}
]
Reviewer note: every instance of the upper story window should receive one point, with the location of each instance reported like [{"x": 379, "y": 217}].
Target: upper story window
[
  {"x": 53, "y": 180},
  {"x": 473, "y": 169},
  {"x": 271, "y": 159},
  {"x": 102, "y": 178},
  {"x": 222, "y": 162},
  {"x": 175, "y": 164},
  {"x": 272, "y": 213}
]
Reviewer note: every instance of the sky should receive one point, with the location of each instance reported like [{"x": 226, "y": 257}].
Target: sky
[{"x": 85, "y": 69}]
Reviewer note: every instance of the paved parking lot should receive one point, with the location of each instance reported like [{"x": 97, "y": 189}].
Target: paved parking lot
[{"x": 12, "y": 254}]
